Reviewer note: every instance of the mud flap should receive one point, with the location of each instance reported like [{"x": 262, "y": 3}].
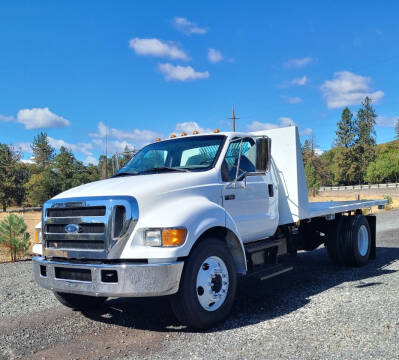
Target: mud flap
[{"x": 372, "y": 223}]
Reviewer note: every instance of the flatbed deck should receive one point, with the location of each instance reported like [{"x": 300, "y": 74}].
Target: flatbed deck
[{"x": 333, "y": 207}]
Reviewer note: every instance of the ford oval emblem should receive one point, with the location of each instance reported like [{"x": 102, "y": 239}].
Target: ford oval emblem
[{"x": 72, "y": 228}]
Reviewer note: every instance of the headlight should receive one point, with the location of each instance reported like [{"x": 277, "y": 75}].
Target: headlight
[
  {"x": 38, "y": 236},
  {"x": 165, "y": 237},
  {"x": 153, "y": 237}
]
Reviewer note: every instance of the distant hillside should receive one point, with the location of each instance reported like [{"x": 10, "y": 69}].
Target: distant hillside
[{"x": 388, "y": 146}]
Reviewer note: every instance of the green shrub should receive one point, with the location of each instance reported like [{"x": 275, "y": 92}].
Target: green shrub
[
  {"x": 389, "y": 205},
  {"x": 13, "y": 235}
]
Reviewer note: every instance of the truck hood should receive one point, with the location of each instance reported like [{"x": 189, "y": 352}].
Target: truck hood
[{"x": 141, "y": 186}]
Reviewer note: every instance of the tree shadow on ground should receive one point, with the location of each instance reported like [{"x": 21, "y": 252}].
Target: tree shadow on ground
[{"x": 256, "y": 301}]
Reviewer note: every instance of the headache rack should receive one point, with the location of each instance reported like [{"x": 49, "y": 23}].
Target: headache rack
[{"x": 92, "y": 227}]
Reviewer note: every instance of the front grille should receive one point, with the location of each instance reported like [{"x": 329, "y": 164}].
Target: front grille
[
  {"x": 76, "y": 211},
  {"x": 72, "y": 274},
  {"x": 88, "y": 228},
  {"x": 76, "y": 244},
  {"x": 83, "y": 228}
]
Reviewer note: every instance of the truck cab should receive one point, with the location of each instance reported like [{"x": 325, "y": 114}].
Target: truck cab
[{"x": 183, "y": 219}]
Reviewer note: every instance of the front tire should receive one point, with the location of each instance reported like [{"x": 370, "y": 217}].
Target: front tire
[
  {"x": 207, "y": 287},
  {"x": 79, "y": 302}
]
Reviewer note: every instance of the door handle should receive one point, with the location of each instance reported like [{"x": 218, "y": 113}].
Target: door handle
[{"x": 229, "y": 197}]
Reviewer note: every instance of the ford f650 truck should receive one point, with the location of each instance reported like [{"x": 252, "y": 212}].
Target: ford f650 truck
[{"x": 188, "y": 215}]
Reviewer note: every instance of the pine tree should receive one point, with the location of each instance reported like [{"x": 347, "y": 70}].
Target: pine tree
[
  {"x": 43, "y": 152},
  {"x": 397, "y": 130},
  {"x": 8, "y": 181},
  {"x": 13, "y": 235},
  {"x": 345, "y": 132},
  {"x": 365, "y": 122},
  {"x": 364, "y": 149}
]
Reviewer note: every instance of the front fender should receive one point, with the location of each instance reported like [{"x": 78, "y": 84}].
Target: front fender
[{"x": 196, "y": 214}]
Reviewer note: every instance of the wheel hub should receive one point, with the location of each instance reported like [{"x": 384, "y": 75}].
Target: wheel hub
[
  {"x": 363, "y": 240},
  {"x": 212, "y": 283}
]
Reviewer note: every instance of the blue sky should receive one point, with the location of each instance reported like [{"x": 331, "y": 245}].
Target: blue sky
[{"x": 141, "y": 69}]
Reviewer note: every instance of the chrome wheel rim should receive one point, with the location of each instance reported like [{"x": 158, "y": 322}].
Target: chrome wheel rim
[
  {"x": 363, "y": 240},
  {"x": 212, "y": 283}
]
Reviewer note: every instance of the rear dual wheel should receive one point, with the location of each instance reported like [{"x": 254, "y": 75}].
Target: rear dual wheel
[{"x": 349, "y": 243}]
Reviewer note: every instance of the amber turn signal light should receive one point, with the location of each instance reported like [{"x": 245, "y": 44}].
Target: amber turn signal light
[
  {"x": 36, "y": 239},
  {"x": 173, "y": 237}
]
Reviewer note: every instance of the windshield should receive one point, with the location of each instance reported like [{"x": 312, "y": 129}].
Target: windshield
[{"x": 183, "y": 154}]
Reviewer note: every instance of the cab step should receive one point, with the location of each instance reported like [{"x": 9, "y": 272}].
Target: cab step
[
  {"x": 261, "y": 245},
  {"x": 271, "y": 271}
]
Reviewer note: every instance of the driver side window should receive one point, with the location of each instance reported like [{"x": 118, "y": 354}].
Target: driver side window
[{"x": 247, "y": 161}]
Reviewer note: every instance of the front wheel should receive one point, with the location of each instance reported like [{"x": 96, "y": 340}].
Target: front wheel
[
  {"x": 207, "y": 287},
  {"x": 79, "y": 302}
]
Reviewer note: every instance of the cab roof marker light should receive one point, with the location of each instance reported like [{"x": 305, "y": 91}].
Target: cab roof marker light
[
  {"x": 195, "y": 132},
  {"x": 172, "y": 136},
  {"x": 183, "y": 133}
]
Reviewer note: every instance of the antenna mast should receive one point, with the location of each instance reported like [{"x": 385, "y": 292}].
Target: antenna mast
[{"x": 234, "y": 118}]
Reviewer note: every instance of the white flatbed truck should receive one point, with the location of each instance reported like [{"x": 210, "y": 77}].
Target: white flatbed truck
[{"x": 189, "y": 214}]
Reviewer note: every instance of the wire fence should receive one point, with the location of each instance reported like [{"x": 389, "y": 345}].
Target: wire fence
[{"x": 359, "y": 187}]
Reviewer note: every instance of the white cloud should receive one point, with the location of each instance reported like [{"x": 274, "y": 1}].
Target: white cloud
[
  {"x": 181, "y": 73},
  {"x": 6, "y": 118},
  {"x": 90, "y": 160},
  {"x": 294, "y": 100},
  {"x": 139, "y": 136},
  {"x": 114, "y": 146},
  {"x": 258, "y": 126},
  {"x": 298, "y": 63},
  {"x": 188, "y": 27},
  {"x": 28, "y": 161},
  {"x": 158, "y": 48},
  {"x": 282, "y": 122},
  {"x": 23, "y": 146},
  {"x": 82, "y": 148},
  {"x": 306, "y": 132},
  {"x": 40, "y": 118},
  {"x": 387, "y": 121},
  {"x": 189, "y": 127},
  {"x": 347, "y": 88},
  {"x": 214, "y": 55},
  {"x": 299, "y": 81}
]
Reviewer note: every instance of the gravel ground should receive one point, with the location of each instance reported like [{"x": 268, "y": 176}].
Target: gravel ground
[{"x": 317, "y": 311}]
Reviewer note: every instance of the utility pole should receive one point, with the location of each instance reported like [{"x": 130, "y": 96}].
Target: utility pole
[
  {"x": 106, "y": 152},
  {"x": 234, "y": 118}
]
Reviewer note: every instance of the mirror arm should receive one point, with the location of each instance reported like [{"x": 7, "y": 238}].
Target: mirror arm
[{"x": 238, "y": 164}]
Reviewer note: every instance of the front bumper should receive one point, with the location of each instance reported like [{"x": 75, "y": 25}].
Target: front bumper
[{"x": 133, "y": 280}]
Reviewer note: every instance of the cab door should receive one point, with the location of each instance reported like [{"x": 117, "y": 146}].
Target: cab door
[{"x": 246, "y": 197}]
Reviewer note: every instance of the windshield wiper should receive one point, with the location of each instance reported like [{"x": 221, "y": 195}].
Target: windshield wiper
[
  {"x": 164, "y": 168},
  {"x": 126, "y": 174}
]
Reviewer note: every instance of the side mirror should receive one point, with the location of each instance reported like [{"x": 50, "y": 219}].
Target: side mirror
[{"x": 263, "y": 154}]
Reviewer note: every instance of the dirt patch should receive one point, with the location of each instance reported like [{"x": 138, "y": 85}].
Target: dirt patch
[{"x": 105, "y": 345}]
